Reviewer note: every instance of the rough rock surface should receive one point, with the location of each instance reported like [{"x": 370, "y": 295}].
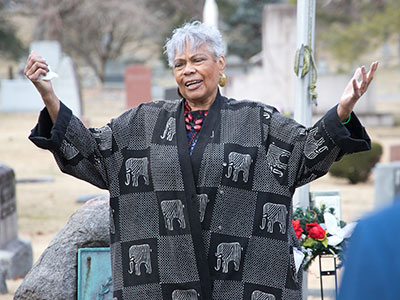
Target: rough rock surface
[{"x": 53, "y": 277}]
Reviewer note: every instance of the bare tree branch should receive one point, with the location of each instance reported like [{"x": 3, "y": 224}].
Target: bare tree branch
[{"x": 94, "y": 31}]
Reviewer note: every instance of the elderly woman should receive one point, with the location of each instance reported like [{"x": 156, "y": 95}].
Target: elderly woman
[{"x": 200, "y": 188}]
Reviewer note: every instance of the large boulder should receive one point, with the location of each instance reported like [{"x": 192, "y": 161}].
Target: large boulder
[{"x": 53, "y": 277}]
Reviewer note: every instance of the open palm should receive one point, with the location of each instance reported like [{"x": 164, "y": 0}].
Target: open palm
[{"x": 353, "y": 91}]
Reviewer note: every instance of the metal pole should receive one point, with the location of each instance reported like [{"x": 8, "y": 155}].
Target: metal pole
[
  {"x": 302, "y": 99},
  {"x": 305, "y": 28},
  {"x": 320, "y": 277}
]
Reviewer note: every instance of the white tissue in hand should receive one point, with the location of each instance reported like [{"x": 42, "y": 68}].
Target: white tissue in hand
[{"x": 50, "y": 75}]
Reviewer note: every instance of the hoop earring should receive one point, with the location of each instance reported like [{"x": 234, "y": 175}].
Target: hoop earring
[{"x": 222, "y": 80}]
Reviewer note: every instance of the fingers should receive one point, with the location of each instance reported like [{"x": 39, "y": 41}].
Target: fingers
[
  {"x": 35, "y": 67},
  {"x": 370, "y": 76},
  {"x": 366, "y": 79},
  {"x": 356, "y": 90},
  {"x": 372, "y": 69},
  {"x": 357, "y": 74},
  {"x": 363, "y": 78}
]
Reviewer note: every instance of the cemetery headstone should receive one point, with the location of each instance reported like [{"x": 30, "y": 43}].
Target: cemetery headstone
[
  {"x": 20, "y": 95},
  {"x": 276, "y": 71},
  {"x": 395, "y": 152},
  {"x": 331, "y": 199},
  {"x": 137, "y": 85},
  {"x": 15, "y": 253},
  {"x": 387, "y": 183}
]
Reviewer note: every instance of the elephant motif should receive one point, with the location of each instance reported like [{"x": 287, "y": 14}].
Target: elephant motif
[
  {"x": 226, "y": 253},
  {"x": 112, "y": 225},
  {"x": 138, "y": 255},
  {"x": 170, "y": 130},
  {"x": 68, "y": 150},
  {"x": 137, "y": 167},
  {"x": 274, "y": 159},
  {"x": 185, "y": 295},
  {"x": 313, "y": 146},
  {"x": 104, "y": 137},
  {"x": 173, "y": 209},
  {"x": 203, "y": 200},
  {"x": 274, "y": 213},
  {"x": 258, "y": 295},
  {"x": 238, "y": 162}
]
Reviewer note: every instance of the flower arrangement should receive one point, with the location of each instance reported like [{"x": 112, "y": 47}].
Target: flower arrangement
[{"x": 319, "y": 232}]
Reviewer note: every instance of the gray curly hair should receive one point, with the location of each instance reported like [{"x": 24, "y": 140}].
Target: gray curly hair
[{"x": 197, "y": 34}]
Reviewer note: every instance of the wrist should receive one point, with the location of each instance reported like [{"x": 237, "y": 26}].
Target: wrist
[
  {"x": 343, "y": 115},
  {"x": 348, "y": 120},
  {"x": 50, "y": 99}
]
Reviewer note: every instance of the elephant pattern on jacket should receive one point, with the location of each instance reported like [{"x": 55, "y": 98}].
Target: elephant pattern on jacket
[
  {"x": 170, "y": 130},
  {"x": 103, "y": 136},
  {"x": 238, "y": 162},
  {"x": 68, "y": 150},
  {"x": 313, "y": 146},
  {"x": 274, "y": 213},
  {"x": 138, "y": 255},
  {"x": 185, "y": 295},
  {"x": 202, "y": 199},
  {"x": 136, "y": 167},
  {"x": 226, "y": 253},
  {"x": 258, "y": 295},
  {"x": 274, "y": 159},
  {"x": 173, "y": 209}
]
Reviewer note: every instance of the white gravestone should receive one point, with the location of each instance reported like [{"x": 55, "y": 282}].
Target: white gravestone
[
  {"x": 15, "y": 253},
  {"x": 331, "y": 199},
  {"x": 20, "y": 94},
  {"x": 273, "y": 82},
  {"x": 387, "y": 183}
]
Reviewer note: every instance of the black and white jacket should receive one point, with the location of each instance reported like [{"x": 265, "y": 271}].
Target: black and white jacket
[{"x": 214, "y": 225}]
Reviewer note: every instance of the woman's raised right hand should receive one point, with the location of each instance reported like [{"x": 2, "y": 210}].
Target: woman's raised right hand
[{"x": 35, "y": 69}]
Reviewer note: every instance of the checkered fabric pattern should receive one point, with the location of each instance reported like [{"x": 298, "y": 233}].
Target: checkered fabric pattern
[{"x": 213, "y": 225}]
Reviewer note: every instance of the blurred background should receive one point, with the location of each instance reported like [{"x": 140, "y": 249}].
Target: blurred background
[{"x": 103, "y": 48}]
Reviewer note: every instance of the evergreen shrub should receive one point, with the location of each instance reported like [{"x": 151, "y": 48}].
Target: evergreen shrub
[{"x": 356, "y": 167}]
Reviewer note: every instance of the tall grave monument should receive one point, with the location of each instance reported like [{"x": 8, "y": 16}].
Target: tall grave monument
[
  {"x": 19, "y": 94},
  {"x": 15, "y": 253}
]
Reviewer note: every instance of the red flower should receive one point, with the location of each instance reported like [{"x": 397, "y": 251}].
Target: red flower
[
  {"x": 297, "y": 228},
  {"x": 315, "y": 231}
]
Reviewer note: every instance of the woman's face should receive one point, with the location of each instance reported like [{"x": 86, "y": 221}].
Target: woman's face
[{"x": 197, "y": 74}]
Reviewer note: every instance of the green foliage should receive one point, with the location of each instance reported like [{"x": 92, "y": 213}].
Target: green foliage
[
  {"x": 312, "y": 215},
  {"x": 242, "y": 25},
  {"x": 10, "y": 45},
  {"x": 316, "y": 215},
  {"x": 357, "y": 167},
  {"x": 349, "y": 29}
]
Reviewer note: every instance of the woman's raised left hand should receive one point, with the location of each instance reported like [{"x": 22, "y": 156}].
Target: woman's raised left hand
[{"x": 356, "y": 87}]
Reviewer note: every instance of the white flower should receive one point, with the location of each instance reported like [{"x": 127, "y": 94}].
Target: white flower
[{"x": 337, "y": 233}]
